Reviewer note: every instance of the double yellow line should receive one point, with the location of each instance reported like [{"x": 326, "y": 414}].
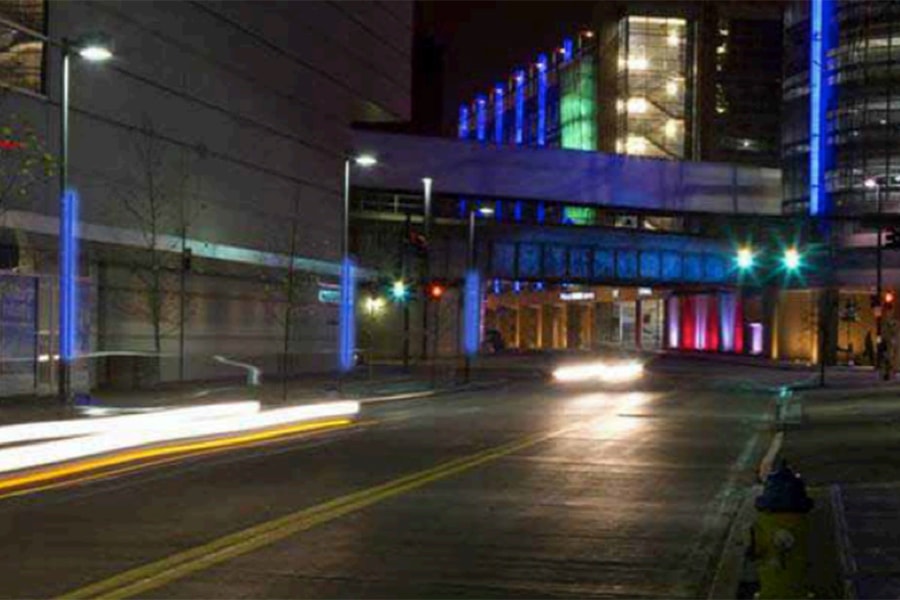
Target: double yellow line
[
  {"x": 99, "y": 468},
  {"x": 157, "y": 574}
]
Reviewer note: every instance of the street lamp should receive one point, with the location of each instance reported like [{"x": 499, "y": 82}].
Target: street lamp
[
  {"x": 93, "y": 48},
  {"x": 472, "y": 296},
  {"x": 347, "y": 341},
  {"x": 877, "y": 183}
]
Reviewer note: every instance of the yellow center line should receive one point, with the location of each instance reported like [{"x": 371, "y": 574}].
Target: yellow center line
[
  {"x": 192, "y": 448},
  {"x": 156, "y": 574}
]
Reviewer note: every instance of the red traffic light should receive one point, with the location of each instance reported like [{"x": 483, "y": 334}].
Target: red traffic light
[{"x": 435, "y": 291}]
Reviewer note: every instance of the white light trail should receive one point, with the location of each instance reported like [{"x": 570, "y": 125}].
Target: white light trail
[
  {"x": 159, "y": 431},
  {"x": 42, "y": 430}
]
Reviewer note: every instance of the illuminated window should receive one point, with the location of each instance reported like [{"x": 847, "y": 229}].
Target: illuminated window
[
  {"x": 653, "y": 65},
  {"x": 21, "y": 52}
]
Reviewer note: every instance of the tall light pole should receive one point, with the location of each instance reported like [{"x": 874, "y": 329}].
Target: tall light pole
[
  {"x": 472, "y": 297},
  {"x": 426, "y": 270},
  {"x": 94, "y": 48},
  {"x": 874, "y": 183},
  {"x": 347, "y": 334}
]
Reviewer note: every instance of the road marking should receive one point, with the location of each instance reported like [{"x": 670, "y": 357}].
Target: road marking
[
  {"x": 181, "y": 449},
  {"x": 156, "y": 574}
]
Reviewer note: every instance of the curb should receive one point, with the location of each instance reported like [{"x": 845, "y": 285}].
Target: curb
[
  {"x": 842, "y": 541},
  {"x": 730, "y": 568}
]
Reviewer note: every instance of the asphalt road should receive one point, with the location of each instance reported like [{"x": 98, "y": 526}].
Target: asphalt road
[{"x": 555, "y": 492}]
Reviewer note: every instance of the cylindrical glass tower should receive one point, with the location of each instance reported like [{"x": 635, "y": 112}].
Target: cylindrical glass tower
[{"x": 862, "y": 76}]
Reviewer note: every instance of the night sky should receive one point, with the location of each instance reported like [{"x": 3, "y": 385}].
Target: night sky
[{"x": 484, "y": 41}]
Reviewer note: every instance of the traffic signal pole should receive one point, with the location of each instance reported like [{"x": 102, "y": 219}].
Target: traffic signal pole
[
  {"x": 404, "y": 275},
  {"x": 879, "y": 317}
]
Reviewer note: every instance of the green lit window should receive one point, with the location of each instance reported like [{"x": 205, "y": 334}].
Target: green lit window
[{"x": 578, "y": 119}]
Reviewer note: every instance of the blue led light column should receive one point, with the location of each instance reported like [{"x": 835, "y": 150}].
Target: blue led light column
[
  {"x": 542, "y": 100},
  {"x": 498, "y": 114},
  {"x": 567, "y": 49},
  {"x": 471, "y": 304},
  {"x": 481, "y": 118},
  {"x": 520, "y": 107},
  {"x": 821, "y": 12},
  {"x": 68, "y": 289},
  {"x": 463, "y": 122},
  {"x": 347, "y": 315}
]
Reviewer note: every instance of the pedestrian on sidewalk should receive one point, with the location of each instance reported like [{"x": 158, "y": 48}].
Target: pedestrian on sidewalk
[{"x": 869, "y": 349}]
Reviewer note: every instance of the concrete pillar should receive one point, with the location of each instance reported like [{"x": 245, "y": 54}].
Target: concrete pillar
[
  {"x": 573, "y": 326},
  {"x": 638, "y": 324},
  {"x": 548, "y": 326}
]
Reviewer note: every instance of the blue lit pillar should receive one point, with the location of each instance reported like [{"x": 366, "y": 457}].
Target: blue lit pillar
[
  {"x": 463, "y": 122},
  {"x": 520, "y": 107},
  {"x": 821, "y": 13},
  {"x": 567, "y": 49},
  {"x": 542, "y": 100},
  {"x": 481, "y": 118},
  {"x": 498, "y": 114},
  {"x": 68, "y": 281},
  {"x": 347, "y": 315}
]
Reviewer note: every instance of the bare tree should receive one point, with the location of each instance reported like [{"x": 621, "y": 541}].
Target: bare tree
[
  {"x": 160, "y": 202},
  {"x": 286, "y": 290},
  {"x": 24, "y": 158}
]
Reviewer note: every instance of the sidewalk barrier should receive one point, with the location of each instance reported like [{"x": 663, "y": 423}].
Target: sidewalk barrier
[
  {"x": 253, "y": 372},
  {"x": 781, "y": 535}
]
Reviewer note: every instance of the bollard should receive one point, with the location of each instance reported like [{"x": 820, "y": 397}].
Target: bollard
[{"x": 780, "y": 535}]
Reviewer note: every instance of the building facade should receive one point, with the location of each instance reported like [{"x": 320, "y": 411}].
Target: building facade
[
  {"x": 862, "y": 112},
  {"x": 209, "y": 162},
  {"x": 678, "y": 80}
]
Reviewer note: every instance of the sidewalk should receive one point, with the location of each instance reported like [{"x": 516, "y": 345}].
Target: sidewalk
[{"x": 846, "y": 448}]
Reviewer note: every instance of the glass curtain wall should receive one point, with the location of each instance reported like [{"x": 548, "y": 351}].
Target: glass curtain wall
[
  {"x": 578, "y": 108},
  {"x": 652, "y": 68}
]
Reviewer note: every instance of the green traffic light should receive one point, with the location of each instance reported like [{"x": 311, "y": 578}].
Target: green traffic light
[
  {"x": 745, "y": 258},
  {"x": 791, "y": 259},
  {"x": 399, "y": 291}
]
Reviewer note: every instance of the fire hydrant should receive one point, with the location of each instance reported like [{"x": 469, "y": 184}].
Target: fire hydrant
[{"x": 780, "y": 535}]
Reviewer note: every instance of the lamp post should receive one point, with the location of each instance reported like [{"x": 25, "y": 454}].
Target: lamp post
[
  {"x": 874, "y": 183},
  {"x": 472, "y": 296},
  {"x": 347, "y": 334},
  {"x": 94, "y": 48},
  {"x": 427, "y": 182}
]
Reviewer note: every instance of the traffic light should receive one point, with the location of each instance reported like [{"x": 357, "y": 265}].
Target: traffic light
[
  {"x": 889, "y": 297},
  {"x": 791, "y": 259},
  {"x": 745, "y": 258},
  {"x": 418, "y": 242},
  {"x": 399, "y": 291},
  {"x": 892, "y": 239},
  {"x": 435, "y": 290}
]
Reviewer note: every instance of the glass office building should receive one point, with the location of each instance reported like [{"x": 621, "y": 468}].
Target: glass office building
[
  {"x": 676, "y": 80},
  {"x": 862, "y": 112}
]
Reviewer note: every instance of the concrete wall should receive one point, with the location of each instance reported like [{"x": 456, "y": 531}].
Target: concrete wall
[{"x": 240, "y": 112}]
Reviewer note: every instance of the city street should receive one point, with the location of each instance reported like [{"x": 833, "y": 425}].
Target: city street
[{"x": 529, "y": 490}]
